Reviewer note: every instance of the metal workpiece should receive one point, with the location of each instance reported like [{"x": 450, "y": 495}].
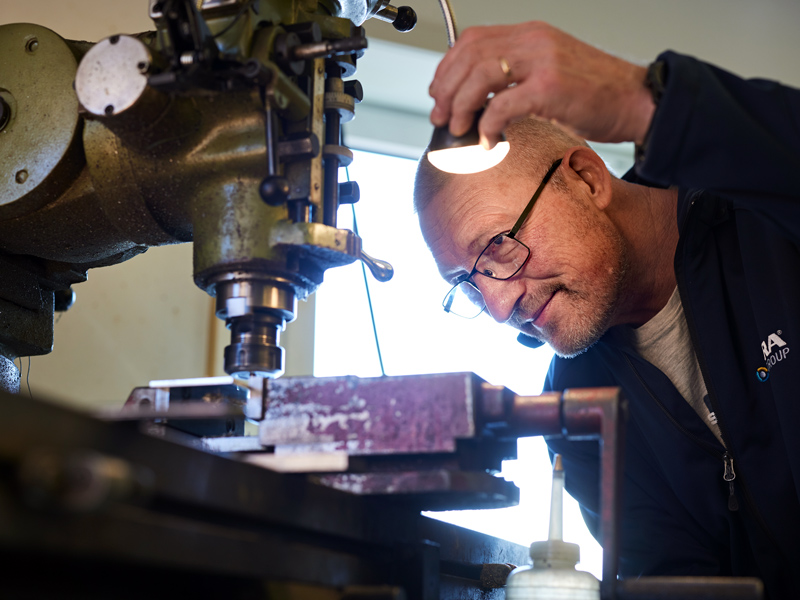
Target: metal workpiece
[
  {"x": 381, "y": 415},
  {"x": 413, "y": 438}
]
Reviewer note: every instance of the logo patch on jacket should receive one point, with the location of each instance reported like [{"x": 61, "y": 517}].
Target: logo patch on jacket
[{"x": 775, "y": 350}]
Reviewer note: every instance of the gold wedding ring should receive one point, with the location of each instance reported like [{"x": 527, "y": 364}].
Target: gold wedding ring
[{"x": 506, "y": 68}]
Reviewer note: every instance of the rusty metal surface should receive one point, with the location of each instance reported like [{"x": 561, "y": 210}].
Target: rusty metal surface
[
  {"x": 416, "y": 414},
  {"x": 414, "y": 438},
  {"x": 604, "y": 411}
]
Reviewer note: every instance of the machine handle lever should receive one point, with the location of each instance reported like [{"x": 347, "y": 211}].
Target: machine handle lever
[
  {"x": 403, "y": 18},
  {"x": 380, "y": 269}
]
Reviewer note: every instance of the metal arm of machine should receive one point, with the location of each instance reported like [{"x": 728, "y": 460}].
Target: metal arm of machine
[{"x": 222, "y": 127}]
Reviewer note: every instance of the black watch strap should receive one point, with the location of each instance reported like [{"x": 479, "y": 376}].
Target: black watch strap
[{"x": 656, "y": 79}]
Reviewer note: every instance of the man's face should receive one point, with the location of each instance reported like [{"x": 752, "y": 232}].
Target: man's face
[{"x": 568, "y": 291}]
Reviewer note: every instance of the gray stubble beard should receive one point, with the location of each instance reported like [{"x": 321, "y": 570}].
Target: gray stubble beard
[{"x": 588, "y": 328}]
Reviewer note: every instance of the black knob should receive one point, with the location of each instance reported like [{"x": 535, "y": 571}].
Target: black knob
[
  {"x": 406, "y": 19},
  {"x": 274, "y": 190},
  {"x": 355, "y": 89},
  {"x": 349, "y": 192},
  {"x": 64, "y": 299}
]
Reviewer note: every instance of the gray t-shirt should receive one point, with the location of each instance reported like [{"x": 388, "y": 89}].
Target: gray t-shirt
[{"x": 664, "y": 341}]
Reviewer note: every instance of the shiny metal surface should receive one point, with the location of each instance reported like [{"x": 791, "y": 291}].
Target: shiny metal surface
[
  {"x": 256, "y": 309},
  {"x": 113, "y": 76},
  {"x": 449, "y": 22}
]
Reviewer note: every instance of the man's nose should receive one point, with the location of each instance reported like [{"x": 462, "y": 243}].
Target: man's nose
[{"x": 500, "y": 296}]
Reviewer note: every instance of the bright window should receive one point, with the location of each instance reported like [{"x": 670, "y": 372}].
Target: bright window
[{"x": 417, "y": 336}]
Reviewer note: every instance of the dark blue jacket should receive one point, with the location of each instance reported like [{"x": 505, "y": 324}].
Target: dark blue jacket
[{"x": 733, "y": 149}]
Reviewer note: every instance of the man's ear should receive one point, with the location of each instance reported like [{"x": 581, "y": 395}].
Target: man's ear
[{"x": 590, "y": 172}]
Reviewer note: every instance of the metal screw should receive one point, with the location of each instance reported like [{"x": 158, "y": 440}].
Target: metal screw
[
  {"x": 109, "y": 110},
  {"x": 143, "y": 67},
  {"x": 32, "y": 45},
  {"x": 22, "y": 176}
]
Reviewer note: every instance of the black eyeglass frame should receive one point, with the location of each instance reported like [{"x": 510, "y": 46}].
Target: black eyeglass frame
[{"x": 448, "y": 299}]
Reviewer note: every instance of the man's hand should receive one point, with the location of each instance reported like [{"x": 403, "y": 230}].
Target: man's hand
[{"x": 534, "y": 69}]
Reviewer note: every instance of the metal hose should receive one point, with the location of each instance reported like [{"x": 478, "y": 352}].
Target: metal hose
[{"x": 449, "y": 21}]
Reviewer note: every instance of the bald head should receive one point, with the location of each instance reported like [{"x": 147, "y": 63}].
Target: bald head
[{"x": 599, "y": 249}]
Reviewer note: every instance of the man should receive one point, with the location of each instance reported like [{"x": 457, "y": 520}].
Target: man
[{"x": 681, "y": 284}]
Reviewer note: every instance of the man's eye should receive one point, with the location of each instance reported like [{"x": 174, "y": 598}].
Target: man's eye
[{"x": 488, "y": 272}]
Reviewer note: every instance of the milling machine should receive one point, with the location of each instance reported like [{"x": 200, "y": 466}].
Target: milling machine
[{"x": 221, "y": 127}]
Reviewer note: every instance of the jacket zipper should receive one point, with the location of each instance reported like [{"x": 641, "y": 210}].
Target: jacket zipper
[
  {"x": 729, "y": 474},
  {"x": 748, "y": 498}
]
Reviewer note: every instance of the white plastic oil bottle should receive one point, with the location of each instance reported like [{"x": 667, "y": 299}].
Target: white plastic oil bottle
[{"x": 553, "y": 575}]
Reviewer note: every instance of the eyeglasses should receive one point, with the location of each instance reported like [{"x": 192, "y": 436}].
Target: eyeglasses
[{"x": 502, "y": 258}]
